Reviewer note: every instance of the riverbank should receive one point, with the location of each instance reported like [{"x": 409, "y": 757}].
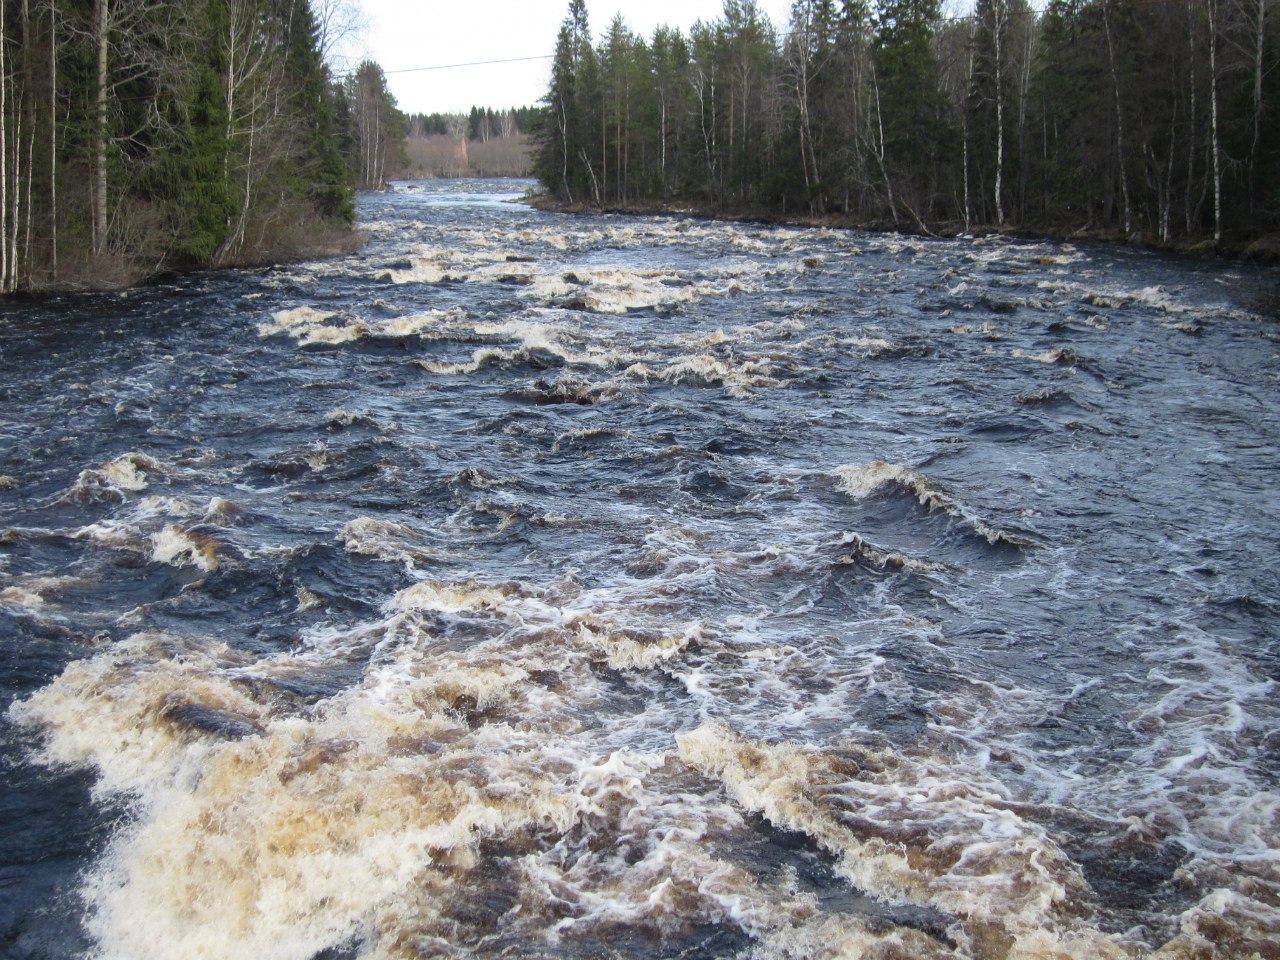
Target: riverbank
[
  {"x": 112, "y": 272},
  {"x": 1260, "y": 250},
  {"x": 1264, "y": 249}
]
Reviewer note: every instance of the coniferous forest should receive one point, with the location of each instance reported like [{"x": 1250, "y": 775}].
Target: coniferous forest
[
  {"x": 1152, "y": 119},
  {"x": 138, "y": 136}
]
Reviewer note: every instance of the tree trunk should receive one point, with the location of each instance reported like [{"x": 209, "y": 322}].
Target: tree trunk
[
  {"x": 15, "y": 214},
  {"x": 595, "y": 185},
  {"x": 1024, "y": 99},
  {"x": 4, "y": 159},
  {"x": 604, "y": 151},
  {"x": 1194, "y": 137},
  {"x": 1000, "y": 13},
  {"x": 617, "y": 143},
  {"x": 1215, "y": 144},
  {"x": 733, "y": 102},
  {"x": 1120, "y": 152},
  {"x": 564, "y": 150},
  {"x": 964, "y": 136},
  {"x": 53, "y": 138},
  {"x": 101, "y": 19},
  {"x": 801, "y": 68},
  {"x": 663, "y": 134},
  {"x": 1259, "y": 50},
  {"x": 888, "y": 185},
  {"x": 626, "y": 143},
  {"x": 22, "y": 258}
]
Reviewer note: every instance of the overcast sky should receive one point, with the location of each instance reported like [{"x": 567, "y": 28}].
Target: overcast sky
[{"x": 406, "y": 34}]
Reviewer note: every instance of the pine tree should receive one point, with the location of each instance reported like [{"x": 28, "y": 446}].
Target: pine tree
[
  {"x": 557, "y": 139},
  {"x": 916, "y": 141},
  {"x": 1105, "y": 114},
  {"x": 377, "y": 128},
  {"x": 322, "y": 173},
  {"x": 159, "y": 135},
  {"x": 669, "y": 55}
]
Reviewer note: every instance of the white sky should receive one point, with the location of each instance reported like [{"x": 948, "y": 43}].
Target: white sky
[{"x": 404, "y": 34}]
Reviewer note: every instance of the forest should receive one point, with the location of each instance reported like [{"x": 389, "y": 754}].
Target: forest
[
  {"x": 141, "y": 136},
  {"x": 480, "y": 123},
  {"x": 482, "y": 142},
  {"x": 1147, "y": 120}
]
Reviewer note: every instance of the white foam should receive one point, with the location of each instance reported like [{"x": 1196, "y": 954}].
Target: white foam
[
  {"x": 128, "y": 473},
  {"x": 630, "y": 650},
  {"x": 915, "y": 830},
  {"x": 448, "y": 599},
  {"x": 181, "y": 548},
  {"x": 1058, "y": 355},
  {"x": 862, "y": 480},
  {"x": 21, "y": 596},
  {"x": 310, "y": 326}
]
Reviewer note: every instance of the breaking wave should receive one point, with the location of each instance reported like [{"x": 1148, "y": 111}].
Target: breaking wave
[{"x": 526, "y": 585}]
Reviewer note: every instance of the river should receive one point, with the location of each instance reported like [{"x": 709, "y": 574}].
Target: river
[{"x": 528, "y": 585}]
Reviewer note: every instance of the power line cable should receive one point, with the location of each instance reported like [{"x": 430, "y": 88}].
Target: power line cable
[
  {"x": 474, "y": 63},
  {"x": 780, "y": 34}
]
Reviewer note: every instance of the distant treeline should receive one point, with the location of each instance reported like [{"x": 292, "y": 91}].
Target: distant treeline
[
  {"x": 138, "y": 136},
  {"x": 1152, "y": 117},
  {"x": 482, "y": 143},
  {"x": 482, "y": 123}
]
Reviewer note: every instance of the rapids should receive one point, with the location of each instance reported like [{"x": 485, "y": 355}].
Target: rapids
[{"x": 540, "y": 586}]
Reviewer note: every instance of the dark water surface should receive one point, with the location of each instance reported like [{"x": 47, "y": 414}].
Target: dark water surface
[{"x": 532, "y": 586}]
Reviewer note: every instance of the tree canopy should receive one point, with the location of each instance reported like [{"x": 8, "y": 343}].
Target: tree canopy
[
  {"x": 1126, "y": 116},
  {"x": 141, "y": 135}
]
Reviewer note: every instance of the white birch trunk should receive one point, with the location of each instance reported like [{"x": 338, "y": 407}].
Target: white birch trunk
[
  {"x": 1215, "y": 145},
  {"x": 888, "y": 185},
  {"x": 1191, "y": 141},
  {"x": 1001, "y": 13},
  {"x": 4, "y": 155},
  {"x": 53, "y": 137},
  {"x": 1120, "y": 153},
  {"x": 101, "y": 21},
  {"x": 15, "y": 214}
]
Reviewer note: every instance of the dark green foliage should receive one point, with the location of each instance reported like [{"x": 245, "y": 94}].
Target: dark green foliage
[
  {"x": 188, "y": 181},
  {"x": 565, "y": 142},
  {"x": 376, "y": 128},
  {"x": 1089, "y": 114},
  {"x": 918, "y": 140},
  {"x": 216, "y": 142},
  {"x": 322, "y": 172},
  {"x": 522, "y": 119}
]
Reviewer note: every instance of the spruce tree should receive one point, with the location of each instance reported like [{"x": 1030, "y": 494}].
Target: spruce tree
[{"x": 917, "y": 142}]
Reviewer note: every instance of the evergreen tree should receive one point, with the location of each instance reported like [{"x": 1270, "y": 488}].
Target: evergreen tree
[
  {"x": 669, "y": 56},
  {"x": 1000, "y": 37},
  {"x": 916, "y": 141},
  {"x": 557, "y": 140},
  {"x": 563, "y": 160},
  {"x": 189, "y": 183},
  {"x": 377, "y": 128},
  {"x": 156, "y": 135},
  {"x": 324, "y": 176}
]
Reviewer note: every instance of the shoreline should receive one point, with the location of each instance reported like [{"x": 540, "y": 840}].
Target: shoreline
[
  {"x": 1263, "y": 250},
  {"x": 116, "y": 278},
  {"x": 119, "y": 277}
]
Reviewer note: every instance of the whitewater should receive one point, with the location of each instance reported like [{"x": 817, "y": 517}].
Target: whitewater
[{"x": 533, "y": 585}]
